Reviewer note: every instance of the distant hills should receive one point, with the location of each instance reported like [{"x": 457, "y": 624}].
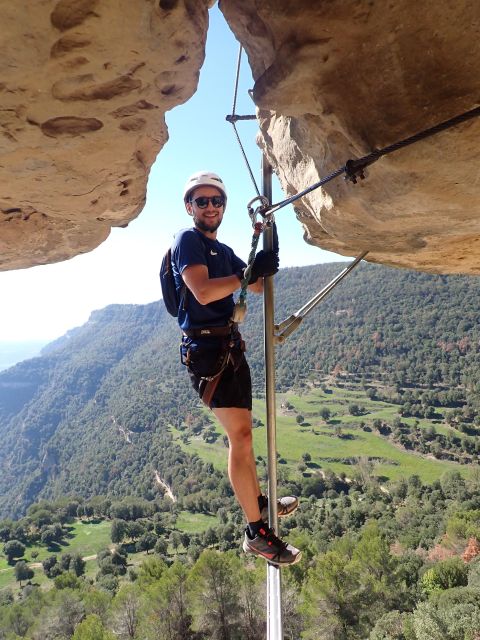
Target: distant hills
[{"x": 91, "y": 415}]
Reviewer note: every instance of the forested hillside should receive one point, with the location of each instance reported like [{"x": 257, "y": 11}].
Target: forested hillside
[{"x": 91, "y": 415}]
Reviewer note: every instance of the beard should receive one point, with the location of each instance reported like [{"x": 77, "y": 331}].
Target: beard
[{"x": 205, "y": 226}]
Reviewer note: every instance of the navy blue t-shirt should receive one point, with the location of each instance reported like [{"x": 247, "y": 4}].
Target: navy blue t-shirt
[{"x": 191, "y": 247}]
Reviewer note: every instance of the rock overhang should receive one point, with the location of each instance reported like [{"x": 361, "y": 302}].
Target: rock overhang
[{"x": 85, "y": 85}]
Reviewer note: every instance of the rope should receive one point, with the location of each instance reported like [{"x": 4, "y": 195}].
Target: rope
[
  {"x": 233, "y": 119},
  {"x": 251, "y": 257},
  {"x": 354, "y": 168}
]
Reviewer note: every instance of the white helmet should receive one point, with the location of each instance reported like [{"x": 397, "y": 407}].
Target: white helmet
[{"x": 203, "y": 179}]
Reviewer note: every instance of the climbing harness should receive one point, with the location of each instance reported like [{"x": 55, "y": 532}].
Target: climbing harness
[{"x": 208, "y": 364}]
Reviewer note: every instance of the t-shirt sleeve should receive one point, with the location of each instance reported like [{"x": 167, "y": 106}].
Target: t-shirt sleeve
[{"x": 189, "y": 250}]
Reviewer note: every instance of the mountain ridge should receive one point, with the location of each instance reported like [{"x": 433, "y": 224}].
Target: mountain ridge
[{"x": 57, "y": 411}]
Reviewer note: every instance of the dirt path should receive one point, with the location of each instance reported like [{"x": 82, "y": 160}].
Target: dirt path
[
  {"x": 164, "y": 485},
  {"x": 125, "y": 432}
]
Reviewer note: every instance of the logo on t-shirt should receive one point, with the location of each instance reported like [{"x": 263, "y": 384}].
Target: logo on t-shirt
[{"x": 213, "y": 253}]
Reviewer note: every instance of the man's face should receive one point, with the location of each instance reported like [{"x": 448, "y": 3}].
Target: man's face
[{"x": 210, "y": 217}]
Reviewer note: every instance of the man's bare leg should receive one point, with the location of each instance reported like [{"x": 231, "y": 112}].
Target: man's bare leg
[{"x": 241, "y": 461}]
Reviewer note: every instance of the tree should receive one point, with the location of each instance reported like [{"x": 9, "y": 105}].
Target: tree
[
  {"x": 325, "y": 414},
  {"x": 213, "y": 581},
  {"x": 15, "y": 621},
  {"x": 108, "y": 583},
  {"x": 77, "y": 565},
  {"x": 52, "y": 533},
  {"x": 67, "y": 613},
  {"x": 175, "y": 540},
  {"x": 13, "y": 549},
  {"x": 47, "y": 536},
  {"x": 151, "y": 570},
  {"x": 251, "y": 596},
  {"x": 329, "y": 594},
  {"x": 210, "y": 537},
  {"x": 354, "y": 409},
  {"x": 445, "y": 575},
  {"x": 48, "y": 565},
  {"x": 97, "y": 601},
  {"x": 112, "y": 562},
  {"x": 126, "y": 608},
  {"x": 453, "y": 615},
  {"x": 135, "y": 530},
  {"x": 472, "y": 550},
  {"x": 119, "y": 559},
  {"x": 185, "y": 539},
  {"x": 67, "y": 580},
  {"x": 351, "y": 586},
  {"x": 161, "y": 547},
  {"x": 118, "y": 530},
  {"x": 169, "y": 604},
  {"x": 146, "y": 542},
  {"x": 92, "y": 629},
  {"x": 392, "y": 626},
  {"x": 65, "y": 560},
  {"x": 23, "y": 572}
]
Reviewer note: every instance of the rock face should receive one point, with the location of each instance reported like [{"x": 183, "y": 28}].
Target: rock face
[
  {"x": 335, "y": 80},
  {"x": 84, "y": 86}
]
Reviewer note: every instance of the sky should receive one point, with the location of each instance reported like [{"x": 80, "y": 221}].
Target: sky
[{"x": 42, "y": 303}]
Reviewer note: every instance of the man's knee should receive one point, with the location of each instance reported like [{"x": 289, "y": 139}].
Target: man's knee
[{"x": 241, "y": 437}]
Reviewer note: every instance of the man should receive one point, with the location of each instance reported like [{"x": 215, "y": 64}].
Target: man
[{"x": 206, "y": 274}]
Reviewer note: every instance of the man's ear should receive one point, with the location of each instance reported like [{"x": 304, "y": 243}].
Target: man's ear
[{"x": 189, "y": 208}]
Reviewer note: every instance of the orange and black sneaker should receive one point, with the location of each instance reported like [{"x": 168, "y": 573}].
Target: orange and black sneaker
[{"x": 267, "y": 545}]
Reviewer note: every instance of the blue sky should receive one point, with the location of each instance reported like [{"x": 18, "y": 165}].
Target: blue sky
[{"x": 44, "y": 302}]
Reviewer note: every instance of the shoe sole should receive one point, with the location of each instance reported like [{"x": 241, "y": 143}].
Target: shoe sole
[
  {"x": 281, "y": 515},
  {"x": 296, "y": 558}
]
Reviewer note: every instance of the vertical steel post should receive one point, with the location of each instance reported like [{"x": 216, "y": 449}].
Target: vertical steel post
[{"x": 274, "y": 590}]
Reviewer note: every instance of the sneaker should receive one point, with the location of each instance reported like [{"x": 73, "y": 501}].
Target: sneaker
[
  {"x": 285, "y": 507},
  {"x": 267, "y": 545}
]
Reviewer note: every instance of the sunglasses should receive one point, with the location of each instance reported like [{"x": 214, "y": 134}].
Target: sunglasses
[{"x": 202, "y": 201}]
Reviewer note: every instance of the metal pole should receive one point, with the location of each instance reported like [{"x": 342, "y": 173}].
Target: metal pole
[{"x": 274, "y": 591}]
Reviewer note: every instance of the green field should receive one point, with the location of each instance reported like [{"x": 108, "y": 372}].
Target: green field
[
  {"x": 195, "y": 522},
  {"x": 320, "y": 440},
  {"x": 86, "y": 539}
]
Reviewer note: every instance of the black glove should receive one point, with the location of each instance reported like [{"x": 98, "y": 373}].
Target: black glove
[
  {"x": 266, "y": 263},
  {"x": 275, "y": 237}
]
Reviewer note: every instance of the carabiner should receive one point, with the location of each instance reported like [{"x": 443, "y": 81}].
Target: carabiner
[{"x": 253, "y": 213}]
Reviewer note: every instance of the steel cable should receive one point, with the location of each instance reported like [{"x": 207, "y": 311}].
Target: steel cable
[
  {"x": 233, "y": 117},
  {"x": 354, "y": 168}
]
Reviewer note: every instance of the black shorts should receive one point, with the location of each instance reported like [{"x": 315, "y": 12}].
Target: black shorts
[{"x": 234, "y": 388}]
